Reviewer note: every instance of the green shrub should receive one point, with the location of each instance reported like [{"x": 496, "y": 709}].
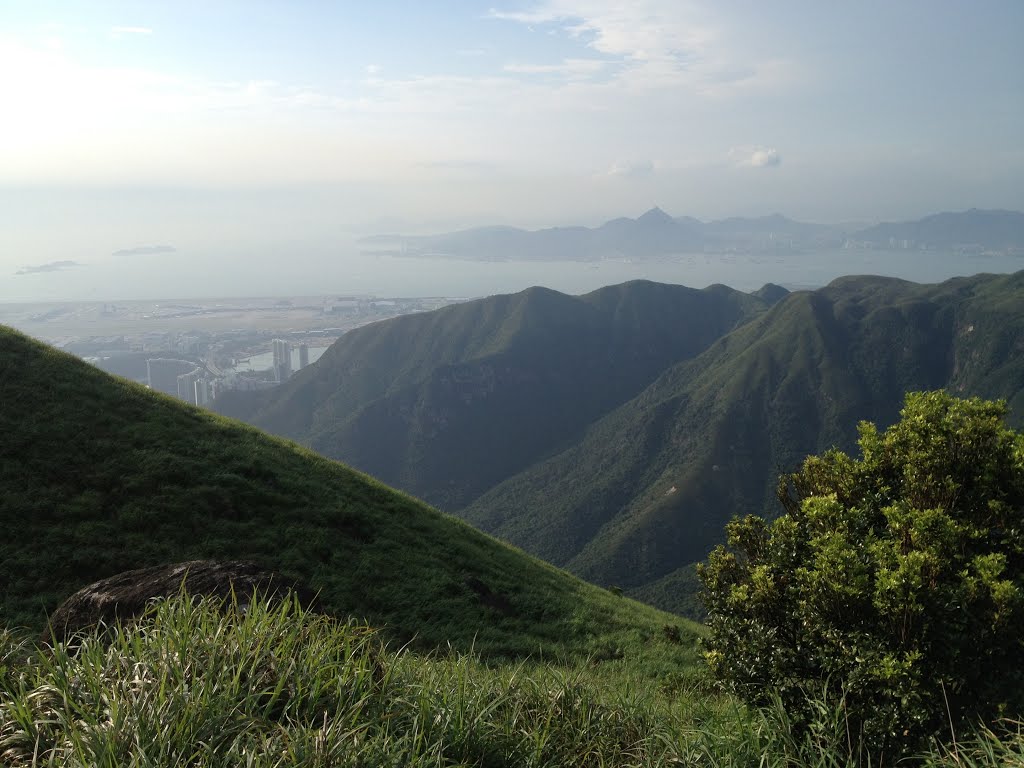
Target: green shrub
[{"x": 896, "y": 580}]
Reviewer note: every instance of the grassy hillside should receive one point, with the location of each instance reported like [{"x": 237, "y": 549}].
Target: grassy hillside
[
  {"x": 190, "y": 685},
  {"x": 99, "y": 475},
  {"x": 647, "y": 491},
  {"x": 447, "y": 404}
]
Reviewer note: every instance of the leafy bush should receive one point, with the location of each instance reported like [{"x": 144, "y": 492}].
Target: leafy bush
[{"x": 895, "y": 580}]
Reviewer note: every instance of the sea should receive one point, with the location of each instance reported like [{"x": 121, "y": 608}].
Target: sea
[
  {"x": 199, "y": 273},
  {"x": 265, "y": 360}
]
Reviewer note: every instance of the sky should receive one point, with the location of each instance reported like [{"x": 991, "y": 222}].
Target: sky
[{"x": 216, "y": 124}]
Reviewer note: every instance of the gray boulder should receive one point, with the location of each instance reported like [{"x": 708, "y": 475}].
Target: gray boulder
[{"x": 125, "y": 596}]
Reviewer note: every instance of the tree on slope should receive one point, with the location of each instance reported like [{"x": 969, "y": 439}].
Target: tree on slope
[{"x": 896, "y": 578}]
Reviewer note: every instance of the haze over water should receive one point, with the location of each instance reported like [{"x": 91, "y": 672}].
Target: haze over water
[
  {"x": 206, "y": 275},
  {"x": 167, "y": 149}
]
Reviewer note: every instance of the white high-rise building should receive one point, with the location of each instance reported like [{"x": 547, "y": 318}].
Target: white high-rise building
[
  {"x": 303, "y": 356},
  {"x": 162, "y": 374},
  {"x": 202, "y": 392},
  {"x": 187, "y": 385},
  {"x": 282, "y": 360}
]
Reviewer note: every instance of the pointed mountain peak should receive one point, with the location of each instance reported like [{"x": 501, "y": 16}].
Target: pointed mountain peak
[
  {"x": 771, "y": 293},
  {"x": 656, "y": 216}
]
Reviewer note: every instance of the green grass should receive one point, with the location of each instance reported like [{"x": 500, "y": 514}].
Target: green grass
[
  {"x": 190, "y": 685},
  {"x": 99, "y": 475},
  {"x": 198, "y": 684}
]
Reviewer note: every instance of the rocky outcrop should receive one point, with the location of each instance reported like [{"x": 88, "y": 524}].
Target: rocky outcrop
[{"x": 125, "y": 596}]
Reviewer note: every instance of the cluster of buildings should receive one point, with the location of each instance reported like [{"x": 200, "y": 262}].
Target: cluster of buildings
[
  {"x": 183, "y": 378},
  {"x": 194, "y": 383},
  {"x": 890, "y": 244},
  {"x": 283, "y": 359},
  {"x": 196, "y": 352}
]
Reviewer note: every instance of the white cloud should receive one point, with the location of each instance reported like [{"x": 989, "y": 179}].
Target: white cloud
[
  {"x": 71, "y": 121},
  {"x": 122, "y": 31},
  {"x": 659, "y": 43},
  {"x": 755, "y": 156},
  {"x": 633, "y": 170},
  {"x": 639, "y": 30},
  {"x": 571, "y": 69},
  {"x": 765, "y": 158},
  {"x": 625, "y": 84}
]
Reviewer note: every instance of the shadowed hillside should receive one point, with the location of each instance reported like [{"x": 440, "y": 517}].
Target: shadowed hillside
[
  {"x": 615, "y": 433},
  {"x": 648, "y": 489},
  {"x": 447, "y": 404},
  {"x": 99, "y": 475}
]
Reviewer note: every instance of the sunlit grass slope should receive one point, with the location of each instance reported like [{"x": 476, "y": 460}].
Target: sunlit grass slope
[
  {"x": 99, "y": 475},
  {"x": 193, "y": 685}
]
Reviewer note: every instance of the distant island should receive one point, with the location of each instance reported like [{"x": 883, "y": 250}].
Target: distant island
[
  {"x": 53, "y": 266},
  {"x": 656, "y": 234}
]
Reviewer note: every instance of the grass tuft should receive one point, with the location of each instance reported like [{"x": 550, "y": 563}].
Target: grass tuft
[{"x": 272, "y": 685}]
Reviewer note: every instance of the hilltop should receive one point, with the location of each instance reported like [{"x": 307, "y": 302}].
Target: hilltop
[{"x": 99, "y": 475}]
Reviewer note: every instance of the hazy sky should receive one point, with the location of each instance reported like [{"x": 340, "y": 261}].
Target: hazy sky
[{"x": 128, "y": 124}]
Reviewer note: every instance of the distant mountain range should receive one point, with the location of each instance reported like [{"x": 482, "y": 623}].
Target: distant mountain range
[
  {"x": 995, "y": 230},
  {"x": 657, "y": 234},
  {"x": 615, "y": 433}
]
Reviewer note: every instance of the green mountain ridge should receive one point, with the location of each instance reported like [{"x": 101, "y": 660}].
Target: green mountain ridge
[
  {"x": 447, "y": 404},
  {"x": 653, "y": 482},
  {"x": 99, "y": 475},
  {"x": 614, "y": 434}
]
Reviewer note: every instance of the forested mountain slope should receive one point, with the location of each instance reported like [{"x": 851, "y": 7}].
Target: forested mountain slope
[
  {"x": 615, "y": 433},
  {"x": 648, "y": 489},
  {"x": 447, "y": 404}
]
